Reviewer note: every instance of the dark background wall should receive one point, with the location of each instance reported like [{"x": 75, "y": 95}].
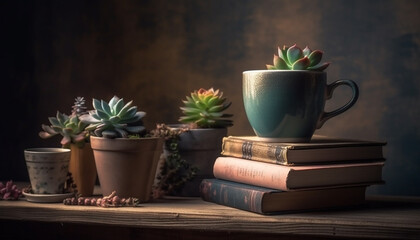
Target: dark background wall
[{"x": 155, "y": 52}]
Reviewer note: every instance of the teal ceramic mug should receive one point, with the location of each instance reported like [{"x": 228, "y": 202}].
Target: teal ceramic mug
[{"x": 288, "y": 105}]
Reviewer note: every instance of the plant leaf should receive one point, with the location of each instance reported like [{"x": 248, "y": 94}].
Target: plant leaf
[
  {"x": 89, "y": 118},
  {"x": 106, "y": 108},
  {"x": 319, "y": 67},
  {"x": 279, "y": 63},
  {"x": 54, "y": 121},
  {"x": 109, "y": 134},
  {"x": 113, "y": 101},
  {"x": 306, "y": 51},
  {"x": 130, "y": 113},
  {"x": 96, "y": 104},
  {"x": 294, "y": 53},
  {"x": 283, "y": 53},
  {"x": 125, "y": 109},
  {"x": 114, "y": 119},
  {"x": 102, "y": 114},
  {"x": 301, "y": 64},
  {"x": 66, "y": 140},
  {"x": 118, "y": 106},
  {"x": 270, "y": 67},
  {"x": 315, "y": 57},
  {"x": 48, "y": 129},
  {"x": 45, "y": 135},
  {"x": 135, "y": 129}
]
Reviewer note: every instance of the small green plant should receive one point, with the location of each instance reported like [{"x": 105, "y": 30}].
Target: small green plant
[
  {"x": 204, "y": 109},
  {"x": 114, "y": 119},
  {"x": 174, "y": 171},
  {"x": 294, "y": 58},
  {"x": 70, "y": 127}
]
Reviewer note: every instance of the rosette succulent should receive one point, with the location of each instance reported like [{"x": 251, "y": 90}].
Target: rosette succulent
[
  {"x": 114, "y": 119},
  {"x": 294, "y": 58},
  {"x": 205, "y": 109},
  {"x": 70, "y": 127}
]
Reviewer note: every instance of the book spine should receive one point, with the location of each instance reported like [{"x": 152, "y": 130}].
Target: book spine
[
  {"x": 231, "y": 196},
  {"x": 256, "y": 152},
  {"x": 251, "y": 172}
]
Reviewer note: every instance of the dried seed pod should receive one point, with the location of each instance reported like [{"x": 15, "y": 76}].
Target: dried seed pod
[{"x": 81, "y": 201}]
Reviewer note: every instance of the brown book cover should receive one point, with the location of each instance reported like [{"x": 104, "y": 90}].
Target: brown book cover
[
  {"x": 287, "y": 178},
  {"x": 320, "y": 149}
]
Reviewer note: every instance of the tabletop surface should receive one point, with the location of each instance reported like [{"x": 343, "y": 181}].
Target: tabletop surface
[{"x": 379, "y": 217}]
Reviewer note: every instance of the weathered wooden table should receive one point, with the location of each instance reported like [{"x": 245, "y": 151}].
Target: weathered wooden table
[{"x": 192, "y": 218}]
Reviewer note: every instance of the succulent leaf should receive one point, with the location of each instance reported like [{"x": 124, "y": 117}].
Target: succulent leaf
[
  {"x": 279, "y": 63},
  {"x": 48, "y": 129},
  {"x": 319, "y": 67},
  {"x": 301, "y": 64},
  {"x": 46, "y": 135},
  {"x": 118, "y": 106},
  {"x": 294, "y": 54},
  {"x": 130, "y": 113},
  {"x": 113, "y": 101},
  {"x": 96, "y": 104},
  {"x": 102, "y": 114},
  {"x": 106, "y": 108},
  {"x": 54, "y": 121},
  {"x": 315, "y": 57},
  {"x": 306, "y": 51},
  {"x": 66, "y": 140},
  {"x": 124, "y": 109},
  {"x": 135, "y": 129}
]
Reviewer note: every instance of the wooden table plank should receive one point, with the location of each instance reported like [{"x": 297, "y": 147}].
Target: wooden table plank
[{"x": 380, "y": 217}]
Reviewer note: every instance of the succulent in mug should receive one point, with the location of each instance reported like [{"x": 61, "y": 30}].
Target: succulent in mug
[
  {"x": 70, "y": 127},
  {"x": 114, "y": 119},
  {"x": 294, "y": 58},
  {"x": 205, "y": 109}
]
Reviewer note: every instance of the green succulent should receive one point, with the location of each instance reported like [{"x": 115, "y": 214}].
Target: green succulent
[
  {"x": 114, "y": 119},
  {"x": 205, "y": 109},
  {"x": 70, "y": 127},
  {"x": 294, "y": 58}
]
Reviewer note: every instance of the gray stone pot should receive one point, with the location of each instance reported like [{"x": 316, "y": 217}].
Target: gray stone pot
[{"x": 200, "y": 148}]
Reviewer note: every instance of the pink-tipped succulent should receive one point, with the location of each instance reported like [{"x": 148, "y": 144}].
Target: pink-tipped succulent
[
  {"x": 70, "y": 127},
  {"x": 205, "y": 109},
  {"x": 294, "y": 58},
  {"x": 9, "y": 191}
]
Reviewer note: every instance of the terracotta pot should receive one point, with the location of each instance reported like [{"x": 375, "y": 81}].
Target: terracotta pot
[
  {"x": 83, "y": 169},
  {"x": 200, "y": 148},
  {"x": 127, "y": 166}
]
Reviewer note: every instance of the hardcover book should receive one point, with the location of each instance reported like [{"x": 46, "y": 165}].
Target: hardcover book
[
  {"x": 284, "y": 177},
  {"x": 320, "y": 149},
  {"x": 270, "y": 201}
]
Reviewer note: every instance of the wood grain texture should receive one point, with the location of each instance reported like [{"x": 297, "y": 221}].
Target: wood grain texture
[{"x": 378, "y": 218}]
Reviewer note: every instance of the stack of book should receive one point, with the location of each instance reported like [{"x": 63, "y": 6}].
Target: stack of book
[{"x": 267, "y": 177}]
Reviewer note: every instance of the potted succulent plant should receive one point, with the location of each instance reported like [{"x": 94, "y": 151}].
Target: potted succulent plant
[
  {"x": 285, "y": 103},
  {"x": 126, "y": 158},
  {"x": 207, "y": 123},
  {"x": 76, "y": 138}
]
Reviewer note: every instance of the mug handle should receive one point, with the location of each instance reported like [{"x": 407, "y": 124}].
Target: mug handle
[{"x": 330, "y": 89}]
